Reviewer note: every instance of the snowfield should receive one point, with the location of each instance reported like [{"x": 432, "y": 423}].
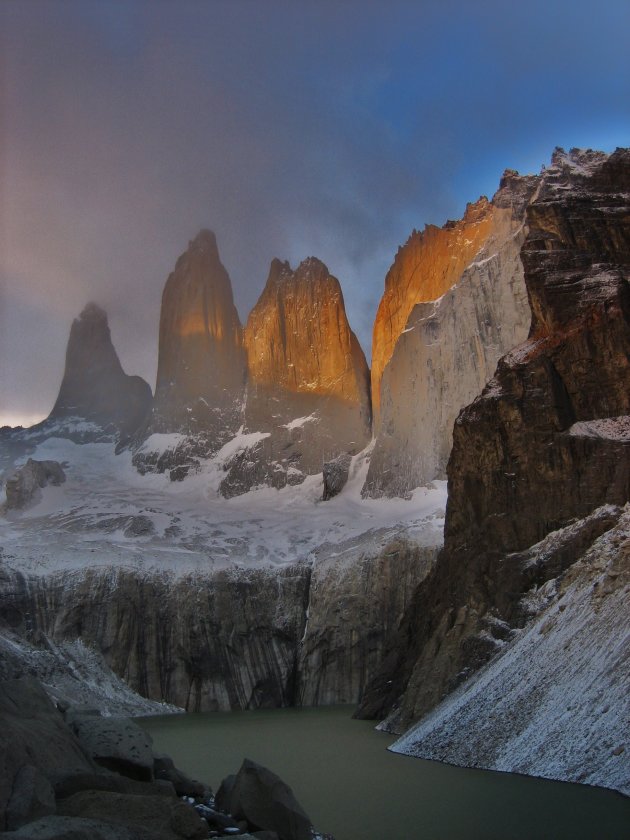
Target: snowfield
[{"x": 107, "y": 514}]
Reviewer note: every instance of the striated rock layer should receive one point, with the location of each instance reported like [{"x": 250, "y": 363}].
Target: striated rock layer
[
  {"x": 308, "y": 392},
  {"x": 95, "y": 388},
  {"x": 449, "y": 347},
  {"x": 233, "y": 639},
  {"x": 429, "y": 264},
  {"x": 546, "y": 443},
  {"x": 201, "y": 363}
]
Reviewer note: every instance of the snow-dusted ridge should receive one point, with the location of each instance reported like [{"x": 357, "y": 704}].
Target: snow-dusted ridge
[{"x": 106, "y": 514}]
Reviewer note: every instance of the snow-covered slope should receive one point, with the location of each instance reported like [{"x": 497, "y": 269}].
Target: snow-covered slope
[
  {"x": 107, "y": 514},
  {"x": 206, "y": 602},
  {"x": 556, "y": 701}
]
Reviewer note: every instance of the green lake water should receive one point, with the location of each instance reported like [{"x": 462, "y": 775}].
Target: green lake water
[{"x": 351, "y": 786}]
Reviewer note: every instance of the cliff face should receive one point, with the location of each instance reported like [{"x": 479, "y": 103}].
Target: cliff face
[
  {"x": 201, "y": 364},
  {"x": 424, "y": 269},
  {"x": 546, "y": 443},
  {"x": 308, "y": 381},
  {"x": 233, "y": 639},
  {"x": 449, "y": 347},
  {"x": 95, "y": 388}
]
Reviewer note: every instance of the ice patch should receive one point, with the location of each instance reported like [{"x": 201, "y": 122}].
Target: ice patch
[{"x": 300, "y": 421}]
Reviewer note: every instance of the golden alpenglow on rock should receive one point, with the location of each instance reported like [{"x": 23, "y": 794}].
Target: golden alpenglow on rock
[
  {"x": 449, "y": 346},
  {"x": 308, "y": 387},
  {"x": 426, "y": 266},
  {"x": 201, "y": 363}
]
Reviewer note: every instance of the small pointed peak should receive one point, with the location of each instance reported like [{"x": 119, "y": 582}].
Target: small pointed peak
[
  {"x": 93, "y": 313},
  {"x": 205, "y": 241}
]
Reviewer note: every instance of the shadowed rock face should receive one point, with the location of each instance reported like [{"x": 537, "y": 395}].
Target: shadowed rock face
[
  {"x": 449, "y": 347},
  {"x": 425, "y": 267},
  {"x": 237, "y": 639},
  {"x": 308, "y": 387},
  {"x": 547, "y": 442},
  {"x": 94, "y": 386},
  {"x": 201, "y": 364}
]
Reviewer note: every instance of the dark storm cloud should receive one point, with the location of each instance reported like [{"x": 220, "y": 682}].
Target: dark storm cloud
[{"x": 328, "y": 128}]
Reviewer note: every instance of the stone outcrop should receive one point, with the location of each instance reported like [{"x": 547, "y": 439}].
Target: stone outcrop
[
  {"x": 449, "y": 347},
  {"x": 266, "y": 802},
  {"x": 201, "y": 364},
  {"x": 546, "y": 442},
  {"x": 95, "y": 388},
  {"x": 308, "y": 389},
  {"x": 356, "y": 603},
  {"x": 25, "y": 484},
  {"x": 335, "y": 474},
  {"x": 425, "y": 268}
]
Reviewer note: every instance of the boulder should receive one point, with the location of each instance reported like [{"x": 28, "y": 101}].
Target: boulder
[
  {"x": 32, "y": 797},
  {"x": 32, "y": 732},
  {"x": 23, "y": 486},
  {"x": 118, "y": 744},
  {"x": 336, "y": 474},
  {"x": 267, "y": 803},
  {"x": 73, "y": 828},
  {"x": 164, "y": 769},
  {"x": 160, "y": 816}
]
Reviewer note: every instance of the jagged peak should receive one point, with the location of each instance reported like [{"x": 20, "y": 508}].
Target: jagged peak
[
  {"x": 578, "y": 161},
  {"x": 312, "y": 268},
  {"x": 279, "y": 270}
]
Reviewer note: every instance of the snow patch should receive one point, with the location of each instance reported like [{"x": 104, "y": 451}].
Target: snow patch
[{"x": 300, "y": 421}]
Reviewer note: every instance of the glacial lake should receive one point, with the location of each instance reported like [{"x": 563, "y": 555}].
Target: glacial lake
[{"x": 351, "y": 786}]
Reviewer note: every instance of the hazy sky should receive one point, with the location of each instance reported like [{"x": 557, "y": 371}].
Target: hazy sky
[{"x": 326, "y": 128}]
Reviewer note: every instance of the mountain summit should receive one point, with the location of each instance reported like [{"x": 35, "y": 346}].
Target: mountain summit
[
  {"x": 95, "y": 386},
  {"x": 308, "y": 389}
]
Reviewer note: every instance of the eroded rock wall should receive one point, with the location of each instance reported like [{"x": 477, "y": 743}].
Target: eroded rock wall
[
  {"x": 237, "y": 639},
  {"x": 425, "y": 267},
  {"x": 449, "y": 347},
  {"x": 547, "y": 441}
]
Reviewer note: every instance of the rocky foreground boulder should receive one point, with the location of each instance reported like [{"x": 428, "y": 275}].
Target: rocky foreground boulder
[
  {"x": 73, "y": 775},
  {"x": 545, "y": 444}
]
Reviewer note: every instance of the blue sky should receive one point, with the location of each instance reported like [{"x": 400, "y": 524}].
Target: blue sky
[{"x": 289, "y": 128}]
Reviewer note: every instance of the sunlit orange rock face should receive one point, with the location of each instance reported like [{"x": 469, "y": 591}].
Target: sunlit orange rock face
[
  {"x": 308, "y": 380},
  {"x": 449, "y": 347},
  {"x": 425, "y": 267},
  {"x": 201, "y": 365},
  {"x": 298, "y": 337}
]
